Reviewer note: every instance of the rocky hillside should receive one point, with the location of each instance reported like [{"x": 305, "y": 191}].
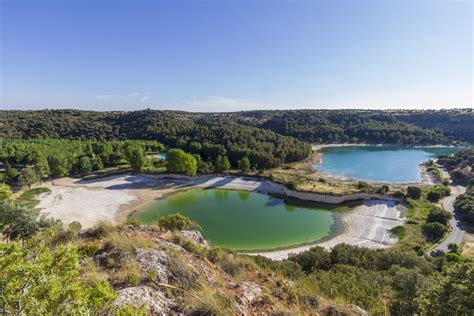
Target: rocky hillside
[{"x": 164, "y": 272}]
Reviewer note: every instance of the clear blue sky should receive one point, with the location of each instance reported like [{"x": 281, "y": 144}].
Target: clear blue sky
[{"x": 233, "y": 55}]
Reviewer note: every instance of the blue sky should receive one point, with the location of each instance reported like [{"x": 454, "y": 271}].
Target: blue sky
[{"x": 235, "y": 55}]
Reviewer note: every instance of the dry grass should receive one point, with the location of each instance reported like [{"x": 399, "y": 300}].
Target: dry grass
[
  {"x": 207, "y": 299},
  {"x": 307, "y": 179},
  {"x": 468, "y": 250}
]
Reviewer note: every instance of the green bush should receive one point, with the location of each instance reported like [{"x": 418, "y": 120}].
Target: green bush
[
  {"x": 176, "y": 222},
  {"x": 438, "y": 215},
  {"x": 398, "y": 231},
  {"x": 414, "y": 192},
  {"x": 433, "y": 196},
  {"x": 434, "y": 231},
  {"x": 292, "y": 185}
]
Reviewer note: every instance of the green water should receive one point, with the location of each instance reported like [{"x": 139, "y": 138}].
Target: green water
[
  {"x": 243, "y": 220},
  {"x": 379, "y": 163}
]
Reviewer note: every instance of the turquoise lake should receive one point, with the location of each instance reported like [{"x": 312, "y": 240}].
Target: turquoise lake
[
  {"x": 378, "y": 163},
  {"x": 242, "y": 220}
]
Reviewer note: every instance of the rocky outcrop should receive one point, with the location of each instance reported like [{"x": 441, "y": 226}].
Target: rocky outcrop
[
  {"x": 155, "y": 301},
  {"x": 153, "y": 262},
  {"x": 195, "y": 236}
]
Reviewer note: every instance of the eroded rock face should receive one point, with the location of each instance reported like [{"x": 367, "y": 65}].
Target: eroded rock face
[
  {"x": 250, "y": 297},
  {"x": 195, "y": 236},
  {"x": 356, "y": 310},
  {"x": 251, "y": 292},
  {"x": 137, "y": 296},
  {"x": 153, "y": 262},
  {"x": 348, "y": 310}
]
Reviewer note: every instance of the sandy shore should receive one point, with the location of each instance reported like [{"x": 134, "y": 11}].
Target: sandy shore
[
  {"x": 114, "y": 198},
  {"x": 367, "y": 225}
]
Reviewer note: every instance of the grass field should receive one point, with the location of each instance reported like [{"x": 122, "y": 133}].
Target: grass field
[{"x": 28, "y": 197}]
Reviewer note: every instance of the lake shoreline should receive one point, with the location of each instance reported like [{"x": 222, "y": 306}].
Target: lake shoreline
[
  {"x": 114, "y": 198},
  {"x": 425, "y": 177}
]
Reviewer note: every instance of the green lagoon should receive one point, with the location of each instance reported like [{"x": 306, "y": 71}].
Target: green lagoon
[
  {"x": 378, "y": 163},
  {"x": 242, "y": 220}
]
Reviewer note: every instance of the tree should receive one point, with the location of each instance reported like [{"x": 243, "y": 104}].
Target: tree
[
  {"x": 38, "y": 280},
  {"x": 84, "y": 165},
  {"x": 313, "y": 259},
  {"x": 41, "y": 168},
  {"x": 27, "y": 177},
  {"x": 434, "y": 231},
  {"x": 12, "y": 173},
  {"x": 177, "y": 161},
  {"x": 58, "y": 166},
  {"x": 451, "y": 293},
  {"x": 17, "y": 222},
  {"x": 5, "y": 192},
  {"x": 244, "y": 164},
  {"x": 414, "y": 192},
  {"x": 221, "y": 164},
  {"x": 97, "y": 164},
  {"x": 433, "y": 196},
  {"x": 408, "y": 284},
  {"x": 438, "y": 215},
  {"x": 135, "y": 157}
]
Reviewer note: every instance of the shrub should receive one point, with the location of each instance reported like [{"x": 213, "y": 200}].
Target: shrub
[
  {"x": 433, "y": 196},
  {"x": 383, "y": 189},
  {"x": 362, "y": 185},
  {"x": 414, "y": 192},
  {"x": 175, "y": 222},
  {"x": 75, "y": 227},
  {"x": 313, "y": 259},
  {"x": 434, "y": 231},
  {"x": 438, "y": 215},
  {"x": 398, "y": 231},
  {"x": 132, "y": 221},
  {"x": 292, "y": 185},
  {"x": 214, "y": 255}
]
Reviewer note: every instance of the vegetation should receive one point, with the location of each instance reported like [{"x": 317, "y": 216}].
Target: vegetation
[
  {"x": 28, "y": 198},
  {"x": 36, "y": 279},
  {"x": 177, "y": 161},
  {"x": 176, "y": 222},
  {"x": 413, "y": 192},
  {"x": 62, "y": 271},
  {"x": 373, "y": 279},
  {"x": 370, "y": 126},
  {"x": 461, "y": 168},
  {"x": 29, "y": 161},
  {"x": 195, "y": 133}
]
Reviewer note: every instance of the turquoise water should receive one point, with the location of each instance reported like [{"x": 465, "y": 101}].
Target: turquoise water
[
  {"x": 378, "y": 163},
  {"x": 242, "y": 220},
  {"x": 161, "y": 156}
]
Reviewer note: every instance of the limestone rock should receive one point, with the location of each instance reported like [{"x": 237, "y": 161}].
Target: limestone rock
[
  {"x": 137, "y": 296},
  {"x": 152, "y": 261},
  {"x": 195, "y": 236}
]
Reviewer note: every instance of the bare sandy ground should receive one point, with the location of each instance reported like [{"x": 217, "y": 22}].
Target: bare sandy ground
[{"x": 114, "y": 198}]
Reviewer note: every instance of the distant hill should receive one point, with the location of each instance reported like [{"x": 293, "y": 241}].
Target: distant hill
[{"x": 412, "y": 127}]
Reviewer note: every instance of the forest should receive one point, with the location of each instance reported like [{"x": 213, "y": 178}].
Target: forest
[
  {"x": 408, "y": 127},
  {"x": 26, "y": 162},
  {"x": 265, "y": 149}
]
